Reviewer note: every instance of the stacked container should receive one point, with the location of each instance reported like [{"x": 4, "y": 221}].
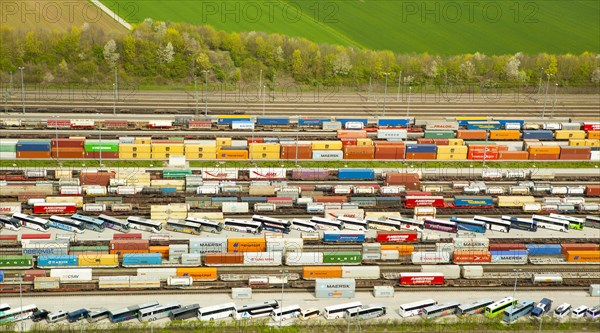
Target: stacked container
[
  {"x": 108, "y": 148},
  {"x": 293, "y": 151},
  {"x": 389, "y": 150},
  {"x": 480, "y": 152},
  {"x": 452, "y": 152},
  {"x": 264, "y": 151},
  {"x": 200, "y": 149},
  {"x": 471, "y": 134},
  {"x": 33, "y": 149},
  {"x": 8, "y": 149},
  {"x": 132, "y": 150},
  {"x": 575, "y": 153},
  {"x": 163, "y": 149},
  {"x": 361, "y": 152},
  {"x": 67, "y": 148},
  {"x": 545, "y": 153},
  {"x": 421, "y": 152}
]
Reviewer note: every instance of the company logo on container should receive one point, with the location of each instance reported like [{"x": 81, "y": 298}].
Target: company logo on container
[
  {"x": 266, "y": 175},
  {"x": 338, "y": 286},
  {"x": 422, "y": 279}
]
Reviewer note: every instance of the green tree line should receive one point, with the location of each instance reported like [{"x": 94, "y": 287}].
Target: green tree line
[{"x": 160, "y": 53}]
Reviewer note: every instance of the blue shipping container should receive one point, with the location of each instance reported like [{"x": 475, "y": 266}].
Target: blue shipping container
[
  {"x": 142, "y": 259},
  {"x": 360, "y": 174},
  {"x": 44, "y": 250},
  {"x": 338, "y": 237},
  {"x": 228, "y": 121},
  {"x": 539, "y": 134},
  {"x": 543, "y": 249},
  {"x": 483, "y": 125},
  {"x": 1, "y": 276},
  {"x": 168, "y": 190},
  {"x": 272, "y": 121},
  {"x": 393, "y": 122},
  {"x": 473, "y": 201},
  {"x": 352, "y": 120},
  {"x": 224, "y": 199},
  {"x": 33, "y": 146},
  {"x": 509, "y": 253},
  {"x": 60, "y": 261},
  {"x": 311, "y": 121},
  {"x": 270, "y": 140},
  {"x": 421, "y": 148}
]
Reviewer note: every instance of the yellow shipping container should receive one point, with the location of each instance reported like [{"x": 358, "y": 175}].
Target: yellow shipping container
[
  {"x": 364, "y": 142},
  {"x": 565, "y": 135},
  {"x": 143, "y": 140},
  {"x": 201, "y": 156},
  {"x": 177, "y": 183},
  {"x": 172, "y": 149},
  {"x": 514, "y": 200},
  {"x": 264, "y": 156},
  {"x": 327, "y": 145},
  {"x": 456, "y": 142},
  {"x": 78, "y": 201},
  {"x": 63, "y": 174},
  {"x": 452, "y": 150},
  {"x": 577, "y": 142},
  {"x": 165, "y": 156},
  {"x": 133, "y": 148},
  {"x": 97, "y": 259},
  {"x": 451, "y": 157},
  {"x": 193, "y": 148},
  {"x": 146, "y": 156},
  {"x": 592, "y": 143},
  {"x": 593, "y": 135},
  {"x": 223, "y": 142},
  {"x": 264, "y": 147}
]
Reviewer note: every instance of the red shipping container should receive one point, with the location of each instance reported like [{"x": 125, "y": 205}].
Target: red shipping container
[
  {"x": 575, "y": 157},
  {"x": 421, "y": 279},
  {"x": 348, "y": 142},
  {"x": 214, "y": 259},
  {"x": 255, "y": 140},
  {"x": 54, "y": 208},
  {"x": 36, "y": 236},
  {"x": 507, "y": 246},
  {"x": 591, "y": 126},
  {"x": 592, "y": 190},
  {"x": 543, "y": 157},
  {"x": 424, "y": 141},
  {"x": 33, "y": 154},
  {"x": 30, "y": 274},
  {"x": 67, "y": 153},
  {"x": 479, "y": 156},
  {"x": 575, "y": 150},
  {"x": 127, "y": 236},
  {"x": 579, "y": 247},
  {"x": 330, "y": 198},
  {"x": 116, "y": 123},
  {"x": 431, "y": 201},
  {"x": 288, "y": 152},
  {"x": 4, "y": 238},
  {"x": 199, "y": 124},
  {"x": 409, "y": 180},
  {"x": 129, "y": 244},
  {"x": 67, "y": 143},
  {"x": 96, "y": 178},
  {"x": 396, "y": 236},
  {"x": 471, "y": 256},
  {"x": 421, "y": 156}
]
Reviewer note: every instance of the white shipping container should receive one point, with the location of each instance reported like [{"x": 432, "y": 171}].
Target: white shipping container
[
  {"x": 207, "y": 189},
  {"x": 94, "y": 207},
  {"x": 450, "y": 272},
  {"x": 241, "y": 293},
  {"x": 263, "y": 258},
  {"x": 509, "y": 259},
  {"x": 595, "y": 156},
  {"x": 184, "y": 281},
  {"x": 158, "y": 273},
  {"x": 219, "y": 173},
  {"x": 342, "y": 189},
  {"x": 383, "y": 291},
  {"x": 332, "y": 125},
  {"x": 353, "y": 213},
  {"x": 512, "y": 126},
  {"x": 95, "y": 190},
  {"x": 82, "y": 123},
  {"x": 70, "y": 190},
  {"x": 327, "y": 155},
  {"x": 242, "y": 125},
  {"x": 396, "y": 134},
  {"x": 304, "y": 201},
  {"x": 126, "y": 190},
  {"x": 208, "y": 245},
  {"x": 371, "y": 256},
  {"x": 315, "y": 208},
  {"x": 361, "y": 272},
  {"x": 32, "y": 202},
  {"x": 80, "y": 274},
  {"x": 532, "y": 207},
  {"x": 267, "y": 173},
  {"x": 160, "y": 123},
  {"x": 264, "y": 207},
  {"x": 8, "y": 155},
  {"x": 559, "y": 190},
  {"x": 390, "y": 255},
  {"x": 392, "y": 189},
  {"x": 9, "y": 208},
  {"x": 105, "y": 282},
  {"x": 304, "y": 258},
  {"x": 364, "y": 190},
  {"x": 430, "y": 257},
  {"x": 472, "y": 272},
  {"x": 355, "y": 125},
  {"x": 191, "y": 259},
  {"x": 235, "y": 207},
  {"x": 471, "y": 243}
]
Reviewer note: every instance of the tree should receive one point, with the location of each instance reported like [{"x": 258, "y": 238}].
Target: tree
[
  {"x": 165, "y": 54},
  {"x": 297, "y": 63},
  {"x": 110, "y": 53},
  {"x": 596, "y": 76},
  {"x": 203, "y": 62}
]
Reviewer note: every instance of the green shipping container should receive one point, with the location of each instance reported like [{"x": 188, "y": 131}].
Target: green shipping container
[
  {"x": 180, "y": 138},
  {"x": 8, "y": 146},
  {"x": 16, "y": 262},
  {"x": 439, "y": 135},
  {"x": 341, "y": 257},
  {"x": 105, "y": 147},
  {"x": 176, "y": 173}
]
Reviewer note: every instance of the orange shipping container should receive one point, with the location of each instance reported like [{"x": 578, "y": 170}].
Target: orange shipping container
[
  {"x": 544, "y": 150},
  {"x": 349, "y": 134},
  {"x": 359, "y": 152},
  {"x": 583, "y": 256},
  {"x": 513, "y": 155},
  {"x": 224, "y": 259},
  {"x": 578, "y": 247},
  {"x": 319, "y": 272},
  {"x": 593, "y": 135},
  {"x": 203, "y": 274},
  {"x": 246, "y": 245},
  {"x": 471, "y": 256},
  {"x": 505, "y": 135},
  {"x": 471, "y": 134},
  {"x": 543, "y": 157},
  {"x": 402, "y": 249},
  {"x": 421, "y": 156},
  {"x": 163, "y": 250}
]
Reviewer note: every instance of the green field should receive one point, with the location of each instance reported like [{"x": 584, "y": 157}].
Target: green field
[{"x": 436, "y": 27}]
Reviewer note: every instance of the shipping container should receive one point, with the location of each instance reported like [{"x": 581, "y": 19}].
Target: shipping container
[
  {"x": 334, "y": 288},
  {"x": 466, "y": 257},
  {"x": 396, "y": 236},
  {"x": 67, "y": 275},
  {"x": 198, "y": 274},
  {"x": 421, "y": 278},
  {"x": 583, "y": 256}
]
